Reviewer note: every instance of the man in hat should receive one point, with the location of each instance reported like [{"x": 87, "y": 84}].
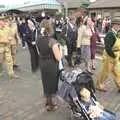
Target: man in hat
[
  {"x": 111, "y": 56},
  {"x": 71, "y": 33},
  {"x": 5, "y": 51}
]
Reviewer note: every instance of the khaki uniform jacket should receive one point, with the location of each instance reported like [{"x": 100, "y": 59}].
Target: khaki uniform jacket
[
  {"x": 13, "y": 34},
  {"x": 4, "y": 35}
]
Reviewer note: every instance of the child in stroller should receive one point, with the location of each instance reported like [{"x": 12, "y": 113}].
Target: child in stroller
[{"x": 78, "y": 90}]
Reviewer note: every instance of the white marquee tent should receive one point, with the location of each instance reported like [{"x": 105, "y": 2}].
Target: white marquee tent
[{"x": 39, "y": 5}]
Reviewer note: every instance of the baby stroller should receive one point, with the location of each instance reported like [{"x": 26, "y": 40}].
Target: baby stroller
[{"x": 72, "y": 83}]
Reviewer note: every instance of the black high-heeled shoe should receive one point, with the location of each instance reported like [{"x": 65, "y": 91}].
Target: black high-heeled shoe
[
  {"x": 54, "y": 107},
  {"x": 50, "y": 108},
  {"x": 93, "y": 68}
]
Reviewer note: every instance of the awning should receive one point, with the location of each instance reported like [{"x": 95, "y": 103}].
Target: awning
[
  {"x": 14, "y": 11},
  {"x": 39, "y": 5}
]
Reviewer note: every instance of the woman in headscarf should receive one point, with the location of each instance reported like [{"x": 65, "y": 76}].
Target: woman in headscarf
[{"x": 49, "y": 57}]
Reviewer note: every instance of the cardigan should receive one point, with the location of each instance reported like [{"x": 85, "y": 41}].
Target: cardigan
[{"x": 84, "y": 35}]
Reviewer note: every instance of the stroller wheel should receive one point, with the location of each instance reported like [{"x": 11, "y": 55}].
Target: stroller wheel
[{"x": 77, "y": 116}]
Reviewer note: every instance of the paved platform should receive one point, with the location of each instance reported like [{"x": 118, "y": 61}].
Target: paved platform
[{"x": 22, "y": 99}]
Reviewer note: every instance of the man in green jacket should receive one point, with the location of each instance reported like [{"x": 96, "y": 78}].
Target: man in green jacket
[{"x": 111, "y": 57}]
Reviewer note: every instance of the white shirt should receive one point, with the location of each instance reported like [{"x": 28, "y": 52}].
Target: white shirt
[{"x": 71, "y": 25}]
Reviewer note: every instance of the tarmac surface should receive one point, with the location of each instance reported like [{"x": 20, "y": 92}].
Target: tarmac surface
[{"x": 22, "y": 98}]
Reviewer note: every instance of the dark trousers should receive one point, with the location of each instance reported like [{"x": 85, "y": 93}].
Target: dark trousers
[
  {"x": 71, "y": 47},
  {"x": 78, "y": 56},
  {"x": 23, "y": 38},
  {"x": 34, "y": 57}
]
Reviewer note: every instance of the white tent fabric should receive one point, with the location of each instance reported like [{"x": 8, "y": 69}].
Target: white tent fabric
[
  {"x": 39, "y": 4},
  {"x": 46, "y": 2}
]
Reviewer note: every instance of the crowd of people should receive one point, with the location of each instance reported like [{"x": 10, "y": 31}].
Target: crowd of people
[
  {"x": 49, "y": 40},
  {"x": 103, "y": 24}
]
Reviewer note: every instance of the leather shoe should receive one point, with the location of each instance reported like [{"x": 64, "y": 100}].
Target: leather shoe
[
  {"x": 101, "y": 89},
  {"x": 14, "y": 76},
  {"x": 15, "y": 66},
  {"x": 52, "y": 108},
  {"x": 118, "y": 90},
  {"x": 70, "y": 65},
  {"x": 93, "y": 68}
]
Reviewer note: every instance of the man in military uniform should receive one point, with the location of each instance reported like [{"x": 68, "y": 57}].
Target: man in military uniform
[
  {"x": 13, "y": 37},
  {"x": 111, "y": 57},
  {"x": 5, "y": 51}
]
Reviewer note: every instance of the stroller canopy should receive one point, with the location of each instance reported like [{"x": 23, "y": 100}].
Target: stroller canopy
[{"x": 73, "y": 82}]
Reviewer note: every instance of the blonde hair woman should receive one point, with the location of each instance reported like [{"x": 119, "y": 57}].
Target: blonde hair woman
[{"x": 49, "y": 55}]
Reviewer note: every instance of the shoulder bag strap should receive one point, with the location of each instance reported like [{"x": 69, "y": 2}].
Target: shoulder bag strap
[
  {"x": 91, "y": 30},
  {"x": 36, "y": 36}
]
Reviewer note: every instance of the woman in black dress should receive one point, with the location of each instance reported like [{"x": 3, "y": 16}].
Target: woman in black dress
[{"x": 49, "y": 57}]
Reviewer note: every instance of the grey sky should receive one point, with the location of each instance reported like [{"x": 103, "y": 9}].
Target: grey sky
[{"x": 10, "y": 2}]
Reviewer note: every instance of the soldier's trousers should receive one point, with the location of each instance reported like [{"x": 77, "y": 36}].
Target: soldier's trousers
[
  {"x": 107, "y": 68},
  {"x": 13, "y": 53},
  {"x": 5, "y": 56}
]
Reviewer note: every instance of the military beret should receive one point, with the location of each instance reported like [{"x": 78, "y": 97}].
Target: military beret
[{"x": 116, "y": 21}]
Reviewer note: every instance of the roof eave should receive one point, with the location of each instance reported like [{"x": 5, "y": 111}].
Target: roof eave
[
  {"x": 39, "y": 7},
  {"x": 103, "y": 7}
]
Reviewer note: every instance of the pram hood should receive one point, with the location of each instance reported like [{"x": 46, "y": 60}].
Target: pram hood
[
  {"x": 73, "y": 82},
  {"x": 69, "y": 90}
]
